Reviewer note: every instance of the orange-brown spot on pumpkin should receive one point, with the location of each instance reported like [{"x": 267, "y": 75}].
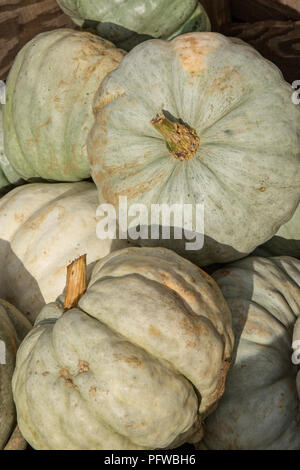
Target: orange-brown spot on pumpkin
[
  {"x": 153, "y": 331},
  {"x": 83, "y": 367},
  {"x": 45, "y": 124},
  {"x": 134, "y": 360},
  {"x": 193, "y": 51},
  {"x": 131, "y": 192},
  {"x": 19, "y": 218},
  {"x": 92, "y": 392}
]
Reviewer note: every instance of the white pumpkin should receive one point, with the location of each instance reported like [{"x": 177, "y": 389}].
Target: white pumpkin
[
  {"x": 260, "y": 408},
  {"x": 43, "y": 227},
  {"x": 138, "y": 365}
]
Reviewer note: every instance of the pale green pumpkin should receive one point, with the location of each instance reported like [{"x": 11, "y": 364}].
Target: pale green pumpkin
[
  {"x": 8, "y": 176},
  {"x": 286, "y": 241},
  {"x": 260, "y": 406},
  {"x": 227, "y": 136},
  {"x": 128, "y": 22},
  {"x": 138, "y": 365},
  {"x": 48, "y": 111},
  {"x": 13, "y": 327}
]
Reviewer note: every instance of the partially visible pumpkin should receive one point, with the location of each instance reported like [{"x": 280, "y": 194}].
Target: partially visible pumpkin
[
  {"x": 286, "y": 242},
  {"x": 138, "y": 364},
  {"x": 7, "y": 174},
  {"x": 48, "y": 111},
  {"x": 13, "y": 328},
  {"x": 202, "y": 119},
  {"x": 43, "y": 227},
  {"x": 260, "y": 407},
  {"x": 127, "y": 23}
]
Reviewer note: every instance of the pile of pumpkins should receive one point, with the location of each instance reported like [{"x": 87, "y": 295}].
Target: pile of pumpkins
[{"x": 164, "y": 346}]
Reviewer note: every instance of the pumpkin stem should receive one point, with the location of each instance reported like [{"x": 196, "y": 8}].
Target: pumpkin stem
[
  {"x": 182, "y": 140},
  {"x": 76, "y": 282}
]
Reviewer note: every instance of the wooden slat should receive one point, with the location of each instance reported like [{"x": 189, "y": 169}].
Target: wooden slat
[
  {"x": 278, "y": 41},
  {"x": 20, "y": 21},
  {"x": 257, "y": 10},
  {"x": 218, "y": 12}
]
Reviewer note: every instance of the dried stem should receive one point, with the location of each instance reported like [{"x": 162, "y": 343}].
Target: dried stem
[
  {"x": 182, "y": 141},
  {"x": 76, "y": 282}
]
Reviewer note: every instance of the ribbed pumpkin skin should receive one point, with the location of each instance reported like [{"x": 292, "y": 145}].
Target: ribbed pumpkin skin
[
  {"x": 7, "y": 175},
  {"x": 48, "y": 110},
  {"x": 13, "y": 328},
  {"x": 44, "y": 227},
  {"x": 127, "y": 23},
  {"x": 247, "y": 166},
  {"x": 260, "y": 406},
  {"x": 125, "y": 369},
  {"x": 286, "y": 241}
]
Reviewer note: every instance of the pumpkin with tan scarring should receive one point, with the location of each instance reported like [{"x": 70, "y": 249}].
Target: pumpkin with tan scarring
[
  {"x": 48, "y": 111},
  {"x": 260, "y": 406},
  {"x": 138, "y": 364},
  {"x": 13, "y": 328},
  {"x": 43, "y": 227},
  {"x": 129, "y": 22},
  {"x": 200, "y": 120}
]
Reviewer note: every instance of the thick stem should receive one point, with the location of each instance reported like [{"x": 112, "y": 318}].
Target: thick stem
[
  {"x": 16, "y": 441},
  {"x": 182, "y": 141},
  {"x": 76, "y": 282}
]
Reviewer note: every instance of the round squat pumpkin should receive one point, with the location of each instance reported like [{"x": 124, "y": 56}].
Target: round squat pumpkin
[
  {"x": 43, "y": 227},
  {"x": 138, "y": 364},
  {"x": 260, "y": 406},
  {"x": 48, "y": 111},
  {"x": 8, "y": 176},
  {"x": 127, "y": 23},
  {"x": 13, "y": 328},
  {"x": 203, "y": 120},
  {"x": 286, "y": 242}
]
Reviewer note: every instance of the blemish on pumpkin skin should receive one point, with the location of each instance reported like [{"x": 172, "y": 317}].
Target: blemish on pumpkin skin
[
  {"x": 19, "y": 218},
  {"x": 153, "y": 331},
  {"x": 92, "y": 392},
  {"x": 83, "y": 367},
  {"x": 133, "y": 191},
  {"x": 45, "y": 124},
  {"x": 193, "y": 51},
  {"x": 45, "y": 373},
  {"x": 135, "y": 361}
]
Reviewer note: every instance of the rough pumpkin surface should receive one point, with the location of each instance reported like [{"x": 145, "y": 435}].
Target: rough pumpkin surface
[
  {"x": 137, "y": 365},
  {"x": 48, "y": 111}
]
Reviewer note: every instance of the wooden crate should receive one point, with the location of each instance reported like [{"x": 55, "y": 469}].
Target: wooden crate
[{"x": 271, "y": 26}]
